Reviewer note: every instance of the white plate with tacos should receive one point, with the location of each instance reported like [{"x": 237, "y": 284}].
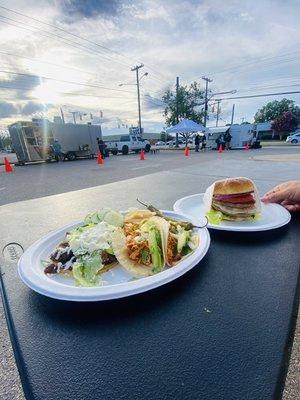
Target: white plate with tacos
[
  {"x": 233, "y": 204},
  {"x": 113, "y": 254}
]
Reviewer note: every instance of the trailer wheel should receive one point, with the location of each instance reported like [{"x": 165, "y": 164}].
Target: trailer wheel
[
  {"x": 71, "y": 156},
  {"x": 147, "y": 148},
  {"x": 114, "y": 152},
  {"x": 125, "y": 150}
]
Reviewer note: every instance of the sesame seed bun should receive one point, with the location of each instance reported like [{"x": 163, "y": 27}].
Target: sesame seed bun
[{"x": 234, "y": 186}]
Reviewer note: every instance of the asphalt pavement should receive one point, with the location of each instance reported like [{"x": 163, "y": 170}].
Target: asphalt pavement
[
  {"x": 38, "y": 180},
  {"x": 32, "y": 181}
]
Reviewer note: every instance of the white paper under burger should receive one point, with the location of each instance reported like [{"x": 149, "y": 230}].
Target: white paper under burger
[{"x": 207, "y": 197}]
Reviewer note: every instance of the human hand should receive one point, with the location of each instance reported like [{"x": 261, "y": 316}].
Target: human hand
[{"x": 287, "y": 194}]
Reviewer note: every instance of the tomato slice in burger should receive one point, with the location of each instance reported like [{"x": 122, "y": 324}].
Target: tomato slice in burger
[{"x": 245, "y": 198}]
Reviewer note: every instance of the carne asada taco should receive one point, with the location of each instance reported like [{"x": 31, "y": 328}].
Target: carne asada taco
[{"x": 86, "y": 252}]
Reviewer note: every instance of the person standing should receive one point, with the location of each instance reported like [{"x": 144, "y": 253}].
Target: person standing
[
  {"x": 197, "y": 142},
  {"x": 102, "y": 147},
  {"x": 227, "y": 138},
  {"x": 203, "y": 143},
  {"x": 56, "y": 149},
  {"x": 221, "y": 141}
]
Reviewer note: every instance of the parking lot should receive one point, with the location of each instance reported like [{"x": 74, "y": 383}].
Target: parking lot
[
  {"x": 38, "y": 180},
  {"x": 272, "y": 164}
]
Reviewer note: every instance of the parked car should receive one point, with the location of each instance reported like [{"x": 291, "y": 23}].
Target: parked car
[
  {"x": 172, "y": 143},
  {"x": 294, "y": 138},
  {"x": 160, "y": 143},
  {"x": 128, "y": 143}
]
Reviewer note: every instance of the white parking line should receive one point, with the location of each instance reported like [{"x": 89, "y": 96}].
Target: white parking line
[
  {"x": 145, "y": 166},
  {"x": 2, "y": 188}
]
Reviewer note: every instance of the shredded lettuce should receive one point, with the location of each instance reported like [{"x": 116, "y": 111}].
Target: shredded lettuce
[
  {"x": 257, "y": 217},
  {"x": 214, "y": 217},
  {"x": 86, "y": 268}
]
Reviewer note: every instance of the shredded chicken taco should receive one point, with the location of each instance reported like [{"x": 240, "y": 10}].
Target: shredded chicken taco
[{"x": 147, "y": 243}]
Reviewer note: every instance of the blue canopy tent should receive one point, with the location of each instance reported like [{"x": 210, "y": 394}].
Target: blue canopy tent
[{"x": 185, "y": 128}]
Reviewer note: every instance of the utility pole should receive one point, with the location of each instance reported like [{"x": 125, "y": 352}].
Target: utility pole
[
  {"x": 62, "y": 115},
  {"x": 218, "y": 112},
  {"x": 136, "y": 69},
  {"x": 232, "y": 114},
  {"x": 74, "y": 115},
  {"x": 177, "y": 109},
  {"x": 206, "y": 102}
]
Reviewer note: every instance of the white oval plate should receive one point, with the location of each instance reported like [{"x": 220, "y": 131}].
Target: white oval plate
[
  {"x": 272, "y": 216},
  {"x": 117, "y": 282}
]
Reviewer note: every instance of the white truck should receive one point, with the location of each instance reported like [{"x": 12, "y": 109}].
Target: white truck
[{"x": 128, "y": 143}]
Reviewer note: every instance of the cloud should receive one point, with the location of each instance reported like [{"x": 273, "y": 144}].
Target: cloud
[
  {"x": 90, "y": 9},
  {"x": 152, "y": 103},
  {"x": 32, "y": 107},
  {"x": 7, "y": 109},
  {"x": 21, "y": 85},
  {"x": 232, "y": 42}
]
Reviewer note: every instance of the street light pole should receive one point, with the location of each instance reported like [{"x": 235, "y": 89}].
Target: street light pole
[
  {"x": 206, "y": 102},
  {"x": 136, "y": 69},
  {"x": 177, "y": 109},
  {"x": 62, "y": 115},
  {"x": 218, "y": 112},
  {"x": 232, "y": 114}
]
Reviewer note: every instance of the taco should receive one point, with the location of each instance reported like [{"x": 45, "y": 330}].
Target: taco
[{"x": 147, "y": 244}]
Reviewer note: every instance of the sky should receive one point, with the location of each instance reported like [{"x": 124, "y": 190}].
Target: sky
[{"x": 72, "y": 55}]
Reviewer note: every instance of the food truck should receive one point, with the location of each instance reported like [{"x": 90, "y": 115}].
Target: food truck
[
  {"x": 32, "y": 140},
  {"x": 240, "y": 136}
]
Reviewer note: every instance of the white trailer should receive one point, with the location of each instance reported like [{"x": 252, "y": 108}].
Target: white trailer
[
  {"x": 128, "y": 143},
  {"x": 31, "y": 140},
  {"x": 240, "y": 136}
]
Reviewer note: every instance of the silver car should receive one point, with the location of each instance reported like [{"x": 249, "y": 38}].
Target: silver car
[{"x": 294, "y": 138}]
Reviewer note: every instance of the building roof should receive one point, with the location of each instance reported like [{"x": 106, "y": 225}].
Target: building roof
[{"x": 219, "y": 129}]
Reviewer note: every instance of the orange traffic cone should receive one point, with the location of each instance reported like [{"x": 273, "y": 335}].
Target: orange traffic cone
[
  {"x": 187, "y": 151},
  {"x": 247, "y": 147},
  {"x": 100, "y": 159},
  {"x": 220, "y": 149},
  {"x": 142, "y": 155},
  {"x": 7, "y": 165}
]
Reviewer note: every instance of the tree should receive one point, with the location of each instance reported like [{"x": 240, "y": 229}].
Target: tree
[
  {"x": 284, "y": 124},
  {"x": 190, "y": 102},
  {"x": 5, "y": 140},
  {"x": 165, "y": 137},
  {"x": 275, "y": 109}
]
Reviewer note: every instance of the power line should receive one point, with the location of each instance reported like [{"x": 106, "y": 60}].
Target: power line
[
  {"x": 268, "y": 87},
  {"x": 47, "y": 62},
  {"x": 66, "y": 41},
  {"x": 64, "y": 81},
  {"x": 79, "y": 37},
  {"x": 62, "y": 39},
  {"x": 65, "y": 31},
  {"x": 258, "y": 95}
]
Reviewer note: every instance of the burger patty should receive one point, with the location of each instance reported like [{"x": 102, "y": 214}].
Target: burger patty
[
  {"x": 232, "y": 205},
  {"x": 232, "y": 211}
]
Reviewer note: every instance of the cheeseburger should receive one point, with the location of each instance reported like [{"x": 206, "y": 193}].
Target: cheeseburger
[{"x": 234, "y": 199}]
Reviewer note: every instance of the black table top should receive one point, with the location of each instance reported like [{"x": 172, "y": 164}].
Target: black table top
[{"x": 222, "y": 331}]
